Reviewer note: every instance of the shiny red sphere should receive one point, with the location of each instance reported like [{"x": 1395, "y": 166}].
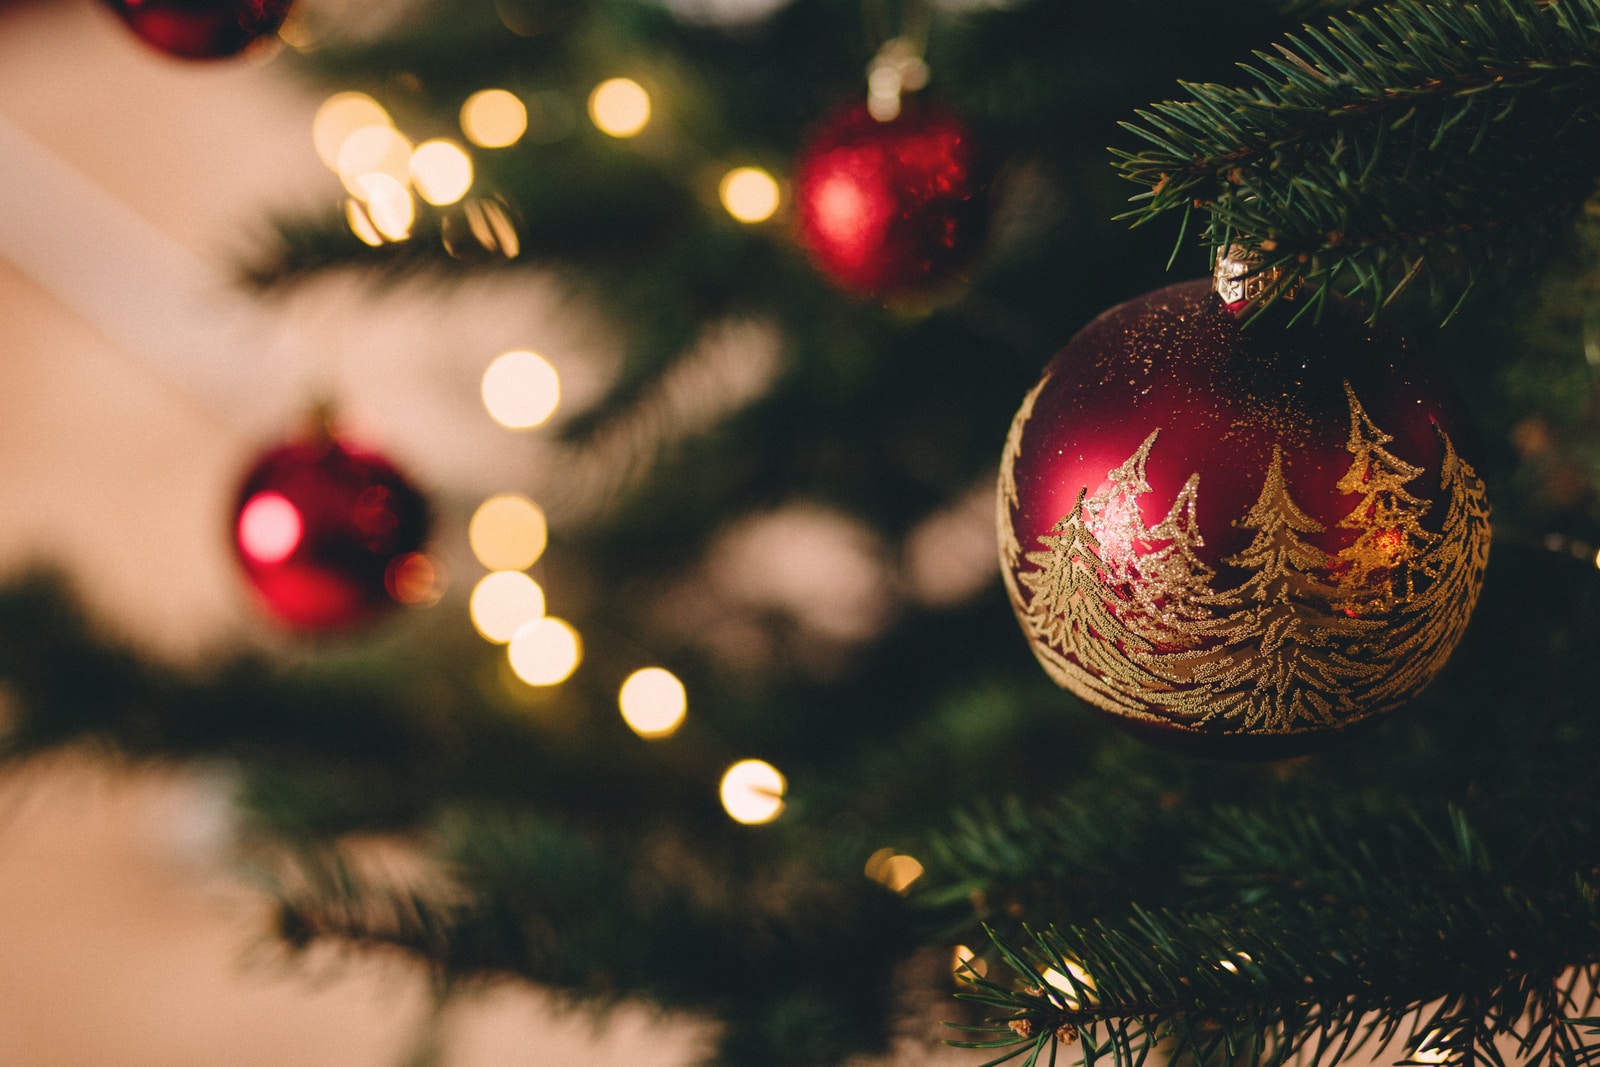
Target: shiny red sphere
[
  {"x": 324, "y": 532},
  {"x": 202, "y": 29},
  {"x": 894, "y": 208},
  {"x": 1251, "y": 536}
]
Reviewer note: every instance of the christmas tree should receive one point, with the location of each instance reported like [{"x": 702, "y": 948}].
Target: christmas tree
[{"x": 791, "y": 534}]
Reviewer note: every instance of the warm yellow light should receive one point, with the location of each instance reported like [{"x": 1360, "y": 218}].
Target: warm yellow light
[
  {"x": 389, "y": 205},
  {"x": 893, "y": 869},
  {"x": 508, "y": 532},
  {"x": 545, "y": 651},
  {"x": 441, "y": 170},
  {"x": 494, "y": 118},
  {"x": 967, "y": 965},
  {"x": 752, "y": 791},
  {"x": 750, "y": 194},
  {"x": 414, "y": 579},
  {"x": 521, "y": 390},
  {"x": 1597, "y": 559},
  {"x": 1430, "y": 1053},
  {"x": 339, "y": 116},
  {"x": 653, "y": 702},
  {"x": 503, "y": 602},
  {"x": 1069, "y": 993},
  {"x": 620, "y": 107},
  {"x": 355, "y": 213},
  {"x": 373, "y": 150}
]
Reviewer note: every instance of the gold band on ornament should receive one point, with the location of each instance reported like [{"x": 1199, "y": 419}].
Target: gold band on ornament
[{"x": 1238, "y": 278}]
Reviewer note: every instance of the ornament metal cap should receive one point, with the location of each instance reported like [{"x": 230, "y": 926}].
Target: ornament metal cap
[{"x": 1240, "y": 280}]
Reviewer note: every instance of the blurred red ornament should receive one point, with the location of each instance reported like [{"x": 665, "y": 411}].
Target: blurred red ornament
[
  {"x": 892, "y": 208},
  {"x": 329, "y": 535},
  {"x": 1243, "y": 541},
  {"x": 202, "y": 29}
]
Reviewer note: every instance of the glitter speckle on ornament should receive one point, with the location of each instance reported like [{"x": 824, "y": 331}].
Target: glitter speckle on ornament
[
  {"x": 328, "y": 534},
  {"x": 1244, "y": 540},
  {"x": 202, "y": 29},
  {"x": 895, "y": 208}
]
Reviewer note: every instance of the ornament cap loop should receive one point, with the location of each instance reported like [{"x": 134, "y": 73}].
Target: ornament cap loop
[{"x": 1240, "y": 280}]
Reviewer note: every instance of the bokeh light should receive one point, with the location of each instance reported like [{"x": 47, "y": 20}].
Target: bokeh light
[
  {"x": 373, "y": 150},
  {"x": 503, "y": 602},
  {"x": 619, "y": 107},
  {"x": 414, "y": 579},
  {"x": 355, "y": 213},
  {"x": 494, "y": 118},
  {"x": 545, "y": 651},
  {"x": 749, "y": 194},
  {"x": 339, "y": 116},
  {"x": 521, "y": 390},
  {"x": 967, "y": 965},
  {"x": 508, "y": 532},
  {"x": 653, "y": 702},
  {"x": 389, "y": 205},
  {"x": 892, "y": 869},
  {"x": 441, "y": 170},
  {"x": 1070, "y": 988},
  {"x": 270, "y": 528},
  {"x": 752, "y": 791}
]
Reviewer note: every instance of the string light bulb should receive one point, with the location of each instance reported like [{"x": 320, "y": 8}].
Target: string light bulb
[
  {"x": 376, "y": 149},
  {"x": 494, "y": 118},
  {"x": 545, "y": 651},
  {"x": 749, "y": 194},
  {"x": 521, "y": 390},
  {"x": 752, "y": 792},
  {"x": 441, "y": 170},
  {"x": 653, "y": 702},
  {"x": 619, "y": 107},
  {"x": 502, "y": 603},
  {"x": 338, "y": 117},
  {"x": 508, "y": 532},
  {"x": 967, "y": 965}
]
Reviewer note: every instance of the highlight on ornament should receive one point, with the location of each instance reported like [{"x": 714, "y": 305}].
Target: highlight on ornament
[
  {"x": 521, "y": 390},
  {"x": 508, "y": 532},
  {"x": 749, "y": 194},
  {"x": 494, "y": 118},
  {"x": 415, "y": 580},
  {"x": 654, "y": 702},
  {"x": 441, "y": 170},
  {"x": 545, "y": 651},
  {"x": 752, "y": 792},
  {"x": 1240, "y": 541},
  {"x": 619, "y": 107},
  {"x": 502, "y": 603}
]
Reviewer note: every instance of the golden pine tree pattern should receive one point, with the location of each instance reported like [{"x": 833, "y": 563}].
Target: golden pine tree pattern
[
  {"x": 1010, "y": 548},
  {"x": 1127, "y": 616}
]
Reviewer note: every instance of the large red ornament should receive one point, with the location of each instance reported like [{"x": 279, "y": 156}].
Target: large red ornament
[
  {"x": 1241, "y": 540},
  {"x": 202, "y": 29},
  {"x": 891, "y": 209},
  {"x": 329, "y": 535}
]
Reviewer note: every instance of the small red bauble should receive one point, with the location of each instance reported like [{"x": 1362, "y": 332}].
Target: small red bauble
[
  {"x": 1242, "y": 540},
  {"x": 202, "y": 29},
  {"x": 328, "y": 534},
  {"x": 895, "y": 208}
]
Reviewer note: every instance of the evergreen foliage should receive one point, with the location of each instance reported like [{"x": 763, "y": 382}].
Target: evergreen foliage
[{"x": 1430, "y": 884}]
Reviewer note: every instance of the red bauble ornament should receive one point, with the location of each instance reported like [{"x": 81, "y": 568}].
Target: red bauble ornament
[
  {"x": 328, "y": 534},
  {"x": 890, "y": 209},
  {"x": 1242, "y": 540},
  {"x": 202, "y": 29}
]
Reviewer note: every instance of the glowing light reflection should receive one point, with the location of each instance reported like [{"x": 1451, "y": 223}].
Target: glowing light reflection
[
  {"x": 508, "y": 532},
  {"x": 339, "y": 116},
  {"x": 494, "y": 118},
  {"x": 270, "y": 528},
  {"x": 442, "y": 171},
  {"x": 373, "y": 150},
  {"x": 749, "y": 194}
]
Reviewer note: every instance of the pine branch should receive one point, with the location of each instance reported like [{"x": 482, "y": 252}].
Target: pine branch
[{"x": 1417, "y": 139}]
